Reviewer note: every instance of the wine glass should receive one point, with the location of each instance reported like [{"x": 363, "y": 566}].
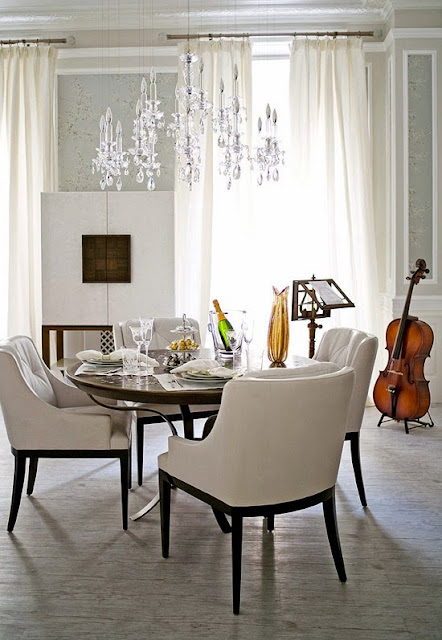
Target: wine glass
[
  {"x": 144, "y": 322},
  {"x": 234, "y": 339},
  {"x": 146, "y": 325},
  {"x": 137, "y": 335},
  {"x": 247, "y": 328}
]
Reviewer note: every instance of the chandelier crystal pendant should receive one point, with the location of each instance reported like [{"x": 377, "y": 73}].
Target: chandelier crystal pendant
[
  {"x": 269, "y": 155},
  {"x": 229, "y": 124},
  {"x": 148, "y": 121},
  {"x": 191, "y": 112},
  {"x": 111, "y": 160}
]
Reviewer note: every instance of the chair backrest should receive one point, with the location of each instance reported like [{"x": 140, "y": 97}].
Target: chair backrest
[
  {"x": 352, "y": 348},
  {"x": 161, "y": 336},
  {"x": 277, "y": 439},
  {"x": 305, "y": 371},
  {"x": 24, "y": 386},
  {"x": 32, "y": 368}
]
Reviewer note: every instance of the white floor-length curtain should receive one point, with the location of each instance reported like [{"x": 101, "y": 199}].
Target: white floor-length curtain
[
  {"x": 28, "y": 147},
  {"x": 211, "y": 221},
  {"x": 331, "y": 167}
]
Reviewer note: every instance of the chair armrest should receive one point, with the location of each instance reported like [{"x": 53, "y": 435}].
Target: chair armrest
[
  {"x": 189, "y": 460},
  {"x": 68, "y": 396}
]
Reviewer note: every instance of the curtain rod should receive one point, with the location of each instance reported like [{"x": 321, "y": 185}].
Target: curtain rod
[
  {"x": 70, "y": 40},
  {"x": 334, "y": 34}
]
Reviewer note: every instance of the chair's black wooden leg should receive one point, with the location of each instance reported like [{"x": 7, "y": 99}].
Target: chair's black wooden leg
[
  {"x": 407, "y": 431},
  {"x": 221, "y": 519},
  {"x": 19, "y": 478},
  {"x": 33, "y": 464},
  {"x": 333, "y": 536},
  {"x": 187, "y": 421},
  {"x": 208, "y": 426},
  {"x": 129, "y": 468},
  {"x": 236, "y": 559},
  {"x": 270, "y": 522},
  {"x": 124, "y": 472},
  {"x": 165, "y": 513},
  {"x": 356, "y": 461},
  {"x": 140, "y": 450}
]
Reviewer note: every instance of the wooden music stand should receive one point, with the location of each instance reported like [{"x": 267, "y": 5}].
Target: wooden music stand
[{"x": 319, "y": 297}]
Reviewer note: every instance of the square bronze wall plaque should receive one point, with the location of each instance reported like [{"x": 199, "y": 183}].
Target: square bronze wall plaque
[{"x": 106, "y": 258}]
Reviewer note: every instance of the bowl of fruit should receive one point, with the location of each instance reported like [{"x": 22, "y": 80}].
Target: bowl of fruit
[{"x": 184, "y": 344}]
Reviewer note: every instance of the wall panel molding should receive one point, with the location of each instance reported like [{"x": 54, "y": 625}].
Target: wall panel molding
[{"x": 420, "y": 132}]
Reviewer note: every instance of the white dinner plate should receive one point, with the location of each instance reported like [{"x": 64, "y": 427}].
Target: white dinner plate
[
  {"x": 198, "y": 377},
  {"x": 106, "y": 363}
]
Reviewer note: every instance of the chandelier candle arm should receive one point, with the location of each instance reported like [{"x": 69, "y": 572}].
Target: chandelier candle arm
[
  {"x": 268, "y": 153},
  {"x": 228, "y": 125},
  {"x": 191, "y": 111},
  {"x": 110, "y": 159},
  {"x": 109, "y": 127},
  {"x": 149, "y": 120}
]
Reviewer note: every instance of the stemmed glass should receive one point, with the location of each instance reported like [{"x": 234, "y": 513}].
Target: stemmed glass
[
  {"x": 146, "y": 325},
  {"x": 247, "y": 328},
  {"x": 235, "y": 340},
  {"x": 137, "y": 335}
]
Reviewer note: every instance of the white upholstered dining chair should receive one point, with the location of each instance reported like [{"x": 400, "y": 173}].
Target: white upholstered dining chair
[
  {"x": 267, "y": 453},
  {"x": 357, "y": 349},
  {"x": 161, "y": 338},
  {"x": 46, "y": 418}
]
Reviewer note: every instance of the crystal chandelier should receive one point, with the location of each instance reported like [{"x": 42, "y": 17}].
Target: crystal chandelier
[
  {"x": 268, "y": 155},
  {"x": 228, "y": 124},
  {"x": 191, "y": 111},
  {"x": 149, "y": 120},
  {"x": 111, "y": 160}
]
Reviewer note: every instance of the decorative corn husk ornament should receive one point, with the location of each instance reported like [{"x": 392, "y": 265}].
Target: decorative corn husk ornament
[{"x": 278, "y": 335}]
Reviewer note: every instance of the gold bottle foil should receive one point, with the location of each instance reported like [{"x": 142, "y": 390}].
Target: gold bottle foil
[{"x": 278, "y": 335}]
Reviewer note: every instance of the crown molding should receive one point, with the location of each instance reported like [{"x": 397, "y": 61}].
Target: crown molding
[
  {"x": 405, "y": 5},
  {"x": 419, "y": 34},
  {"x": 250, "y": 15},
  {"x": 374, "y": 47}
]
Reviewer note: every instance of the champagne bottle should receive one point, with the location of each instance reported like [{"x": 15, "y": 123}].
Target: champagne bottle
[{"x": 223, "y": 325}]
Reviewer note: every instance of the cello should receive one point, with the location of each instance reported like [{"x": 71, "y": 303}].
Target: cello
[{"x": 401, "y": 391}]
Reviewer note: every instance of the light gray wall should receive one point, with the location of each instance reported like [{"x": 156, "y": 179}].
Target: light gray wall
[{"x": 81, "y": 101}]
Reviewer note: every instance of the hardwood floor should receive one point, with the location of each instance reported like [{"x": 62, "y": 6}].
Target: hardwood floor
[{"x": 69, "y": 571}]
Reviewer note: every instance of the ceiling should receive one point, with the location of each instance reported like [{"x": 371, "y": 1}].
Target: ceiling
[
  {"x": 204, "y": 15},
  {"x": 21, "y": 17}
]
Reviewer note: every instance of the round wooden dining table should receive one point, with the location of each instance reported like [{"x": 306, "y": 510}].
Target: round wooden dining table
[{"x": 145, "y": 391}]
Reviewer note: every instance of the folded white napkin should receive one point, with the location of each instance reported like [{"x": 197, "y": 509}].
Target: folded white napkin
[
  {"x": 203, "y": 366},
  {"x": 115, "y": 356}
]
